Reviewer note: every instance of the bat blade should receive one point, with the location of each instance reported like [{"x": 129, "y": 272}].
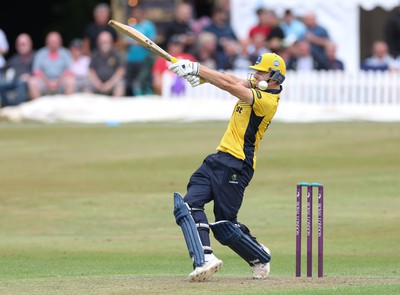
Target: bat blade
[{"x": 141, "y": 39}]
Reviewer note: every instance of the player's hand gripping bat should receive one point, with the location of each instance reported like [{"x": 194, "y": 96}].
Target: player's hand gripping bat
[{"x": 142, "y": 39}]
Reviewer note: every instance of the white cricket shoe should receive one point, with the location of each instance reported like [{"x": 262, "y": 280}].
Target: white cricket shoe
[
  {"x": 261, "y": 270},
  {"x": 211, "y": 265}
]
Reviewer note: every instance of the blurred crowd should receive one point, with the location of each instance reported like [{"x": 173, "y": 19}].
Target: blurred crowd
[{"x": 101, "y": 62}]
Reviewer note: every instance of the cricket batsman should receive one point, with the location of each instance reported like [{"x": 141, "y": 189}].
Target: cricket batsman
[{"x": 223, "y": 176}]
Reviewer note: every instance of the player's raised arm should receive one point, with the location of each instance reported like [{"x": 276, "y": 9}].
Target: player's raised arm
[
  {"x": 227, "y": 82},
  {"x": 270, "y": 70}
]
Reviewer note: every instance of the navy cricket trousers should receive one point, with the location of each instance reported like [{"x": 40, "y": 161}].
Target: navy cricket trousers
[{"x": 221, "y": 178}]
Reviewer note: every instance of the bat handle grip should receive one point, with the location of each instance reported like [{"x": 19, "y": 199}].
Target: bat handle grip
[{"x": 174, "y": 59}]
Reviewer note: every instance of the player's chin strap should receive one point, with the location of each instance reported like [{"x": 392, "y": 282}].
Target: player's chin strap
[
  {"x": 189, "y": 228},
  {"x": 231, "y": 235}
]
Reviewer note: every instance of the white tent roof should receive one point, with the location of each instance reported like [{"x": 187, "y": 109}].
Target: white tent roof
[{"x": 339, "y": 17}]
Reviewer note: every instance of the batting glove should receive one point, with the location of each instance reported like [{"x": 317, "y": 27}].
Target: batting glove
[
  {"x": 185, "y": 67},
  {"x": 195, "y": 80}
]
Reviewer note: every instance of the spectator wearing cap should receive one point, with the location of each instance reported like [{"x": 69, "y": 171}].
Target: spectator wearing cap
[
  {"x": 175, "y": 47},
  {"x": 80, "y": 65}
]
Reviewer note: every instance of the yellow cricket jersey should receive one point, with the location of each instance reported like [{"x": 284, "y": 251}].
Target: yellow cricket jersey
[{"x": 248, "y": 124}]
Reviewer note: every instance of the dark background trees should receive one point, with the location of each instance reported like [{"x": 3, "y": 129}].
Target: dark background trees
[{"x": 37, "y": 18}]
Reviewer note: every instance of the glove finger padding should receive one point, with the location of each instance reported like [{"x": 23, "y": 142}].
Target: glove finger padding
[
  {"x": 193, "y": 80},
  {"x": 184, "y": 67}
]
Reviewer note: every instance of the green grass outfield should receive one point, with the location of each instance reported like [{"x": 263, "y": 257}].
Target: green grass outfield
[{"x": 87, "y": 209}]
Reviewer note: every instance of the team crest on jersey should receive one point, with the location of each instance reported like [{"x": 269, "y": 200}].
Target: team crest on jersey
[{"x": 233, "y": 179}]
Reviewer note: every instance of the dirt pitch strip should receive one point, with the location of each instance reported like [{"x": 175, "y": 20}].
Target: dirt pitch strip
[{"x": 179, "y": 285}]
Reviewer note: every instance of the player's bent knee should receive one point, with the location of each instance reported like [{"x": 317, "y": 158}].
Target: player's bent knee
[{"x": 229, "y": 234}]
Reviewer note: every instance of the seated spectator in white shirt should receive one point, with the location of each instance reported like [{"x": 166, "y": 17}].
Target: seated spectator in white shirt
[{"x": 80, "y": 65}]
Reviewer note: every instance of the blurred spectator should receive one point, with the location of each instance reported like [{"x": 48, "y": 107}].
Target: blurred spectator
[
  {"x": 205, "y": 52},
  {"x": 293, "y": 29},
  {"x": 235, "y": 58},
  {"x": 395, "y": 66},
  {"x": 262, "y": 26},
  {"x": 181, "y": 26},
  {"x": 303, "y": 59},
  {"x": 333, "y": 62},
  {"x": 80, "y": 65},
  {"x": 223, "y": 4},
  {"x": 317, "y": 35},
  {"x": 14, "y": 89},
  {"x": 257, "y": 47},
  {"x": 101, "y": 16},
  {"x": 138, "y": 59},
  {"x": 274, "y": 24},
  {"x": 380, "y": 60},
  {"x": 175, "y": 47},
  {"x": 106, "y": 69},
  {"x": 392, "y": 33},
  {"x": 198, "y": 25},
  {"x": 222, "y": 29},
  {"x": 51, "y": 69},
  {"x": 3, "y": 51},
  {"x": 276, "y": 45}
]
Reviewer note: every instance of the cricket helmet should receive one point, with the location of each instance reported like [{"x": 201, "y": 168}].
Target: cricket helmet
[{"x": 271, "y": 62}]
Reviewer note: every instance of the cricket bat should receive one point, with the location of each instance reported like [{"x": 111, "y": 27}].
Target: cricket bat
[{"x": 142, "y": 39}]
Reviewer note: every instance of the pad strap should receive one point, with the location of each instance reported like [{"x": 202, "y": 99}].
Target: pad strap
[{"x": 204, "y": 226}]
